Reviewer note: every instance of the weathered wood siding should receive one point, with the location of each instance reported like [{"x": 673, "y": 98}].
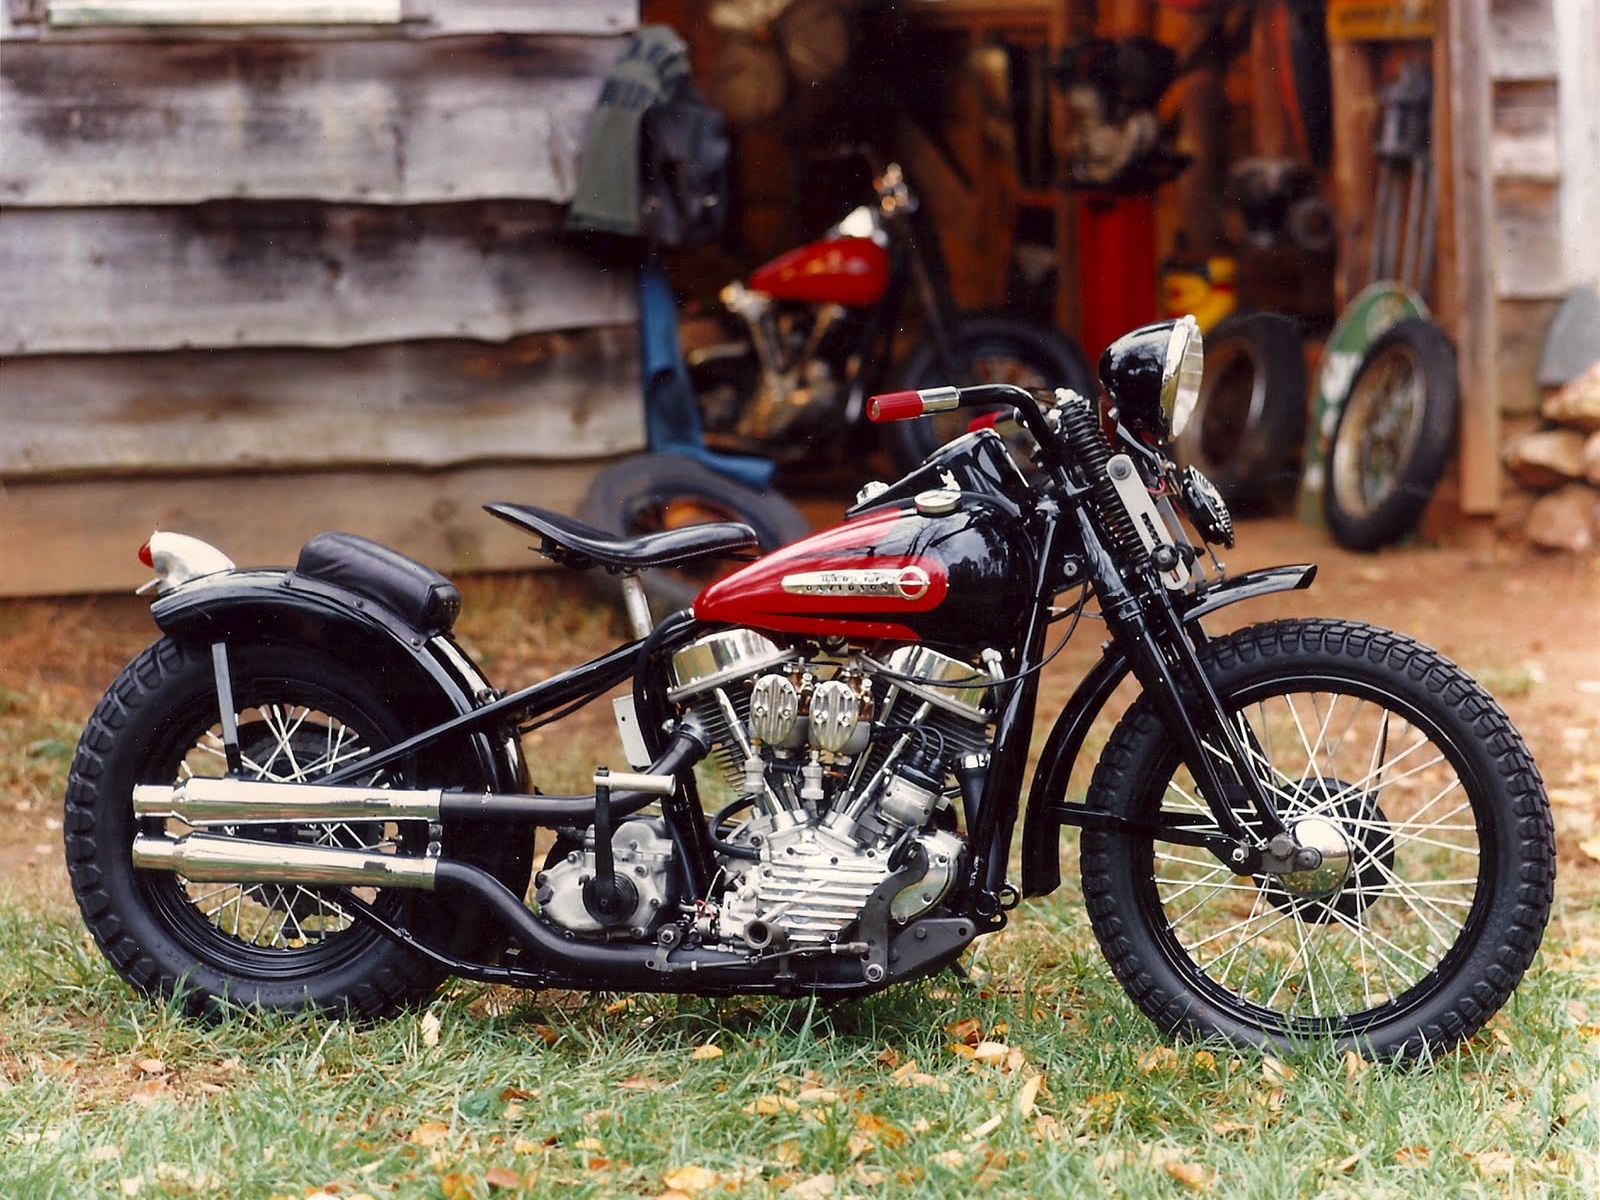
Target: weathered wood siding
[{"x": 257, "y": 281}]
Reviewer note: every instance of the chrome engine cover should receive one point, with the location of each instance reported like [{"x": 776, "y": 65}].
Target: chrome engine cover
[{"x": 642, "y": 852}]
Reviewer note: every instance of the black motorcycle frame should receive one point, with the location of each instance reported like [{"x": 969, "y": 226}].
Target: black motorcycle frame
[{"x": 1154, "y": 637}]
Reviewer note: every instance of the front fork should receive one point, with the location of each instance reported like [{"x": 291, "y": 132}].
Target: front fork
[{"x": 1164, "y": 659}]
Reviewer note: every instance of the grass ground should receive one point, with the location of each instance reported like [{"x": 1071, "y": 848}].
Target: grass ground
[{"x": 1037, "y": 1078}]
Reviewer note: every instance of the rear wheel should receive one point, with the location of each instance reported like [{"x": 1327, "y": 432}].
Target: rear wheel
[
  {"x": 989, "y": 349},
  {"x": 247, "y": 944},
  {"x": 1438, "y": 858},
  {"x": 651, "y": 492}
]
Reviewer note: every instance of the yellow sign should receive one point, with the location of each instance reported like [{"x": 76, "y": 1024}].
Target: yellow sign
[{"x": 1381, "y": 20}]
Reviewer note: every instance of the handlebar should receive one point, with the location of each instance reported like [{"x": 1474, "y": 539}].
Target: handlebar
[{"x": 905, "y": 406}]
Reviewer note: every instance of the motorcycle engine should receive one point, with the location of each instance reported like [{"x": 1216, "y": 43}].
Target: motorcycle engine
[{"x": 842, "y": 765}]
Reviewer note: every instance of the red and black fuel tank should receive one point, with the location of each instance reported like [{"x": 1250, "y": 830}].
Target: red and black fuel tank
[
  {"x": 852, "y": 271},
  {"x": 961, "y": 578}
]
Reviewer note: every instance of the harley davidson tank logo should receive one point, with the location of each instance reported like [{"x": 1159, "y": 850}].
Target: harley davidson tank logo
[{"x": 904, "y": 583}]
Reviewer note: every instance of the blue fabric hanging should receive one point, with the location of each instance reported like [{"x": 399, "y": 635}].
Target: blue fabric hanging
[{"x": 671, "y": 416}]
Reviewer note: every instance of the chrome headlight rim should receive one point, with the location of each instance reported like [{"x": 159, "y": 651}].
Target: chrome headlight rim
[{"x": 1181, "y": 376}]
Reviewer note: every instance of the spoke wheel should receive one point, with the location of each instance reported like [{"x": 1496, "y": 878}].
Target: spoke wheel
[
  {"x": 1437, "y": 854},
  {"x": 220, "y": 945},
  {"x": 1394, "y": 436}
]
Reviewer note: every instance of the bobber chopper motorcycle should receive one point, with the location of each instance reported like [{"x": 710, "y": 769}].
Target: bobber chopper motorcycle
[{"x": 305, "y": 795}]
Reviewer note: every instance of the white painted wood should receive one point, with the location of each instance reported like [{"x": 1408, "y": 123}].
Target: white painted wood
[
  {"x": 390, "y": 122},
  {"x": 1578, "y": 49},
  {"x": 1528, "y": 250},
  {"x": 83, "y": 536},
  {"x": 1519, "y": 37},
  {"x": 69, "y": 13},
  {"x": 418, "y": 404},
  {"x": 422, "y": 19},
  {"x": 101, "y": 280}
]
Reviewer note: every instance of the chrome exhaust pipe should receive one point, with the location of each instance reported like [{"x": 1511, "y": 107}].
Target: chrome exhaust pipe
[
  {"x": 206, "y": 801},
  {"x": 215, "y": 858}
]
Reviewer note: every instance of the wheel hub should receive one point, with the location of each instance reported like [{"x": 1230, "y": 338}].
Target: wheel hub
[{"x": 1329, "y": 840}]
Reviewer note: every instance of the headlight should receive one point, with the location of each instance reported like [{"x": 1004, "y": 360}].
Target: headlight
[
  {"x": 1153, "y": 374},
  {"x": 1180, "y": 382}
]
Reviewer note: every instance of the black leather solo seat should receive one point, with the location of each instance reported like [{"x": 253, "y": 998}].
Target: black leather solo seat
[{"x": 575, "y": 544}]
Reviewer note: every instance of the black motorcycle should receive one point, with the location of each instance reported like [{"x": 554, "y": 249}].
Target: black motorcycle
[{"x": 305, "y": 795}]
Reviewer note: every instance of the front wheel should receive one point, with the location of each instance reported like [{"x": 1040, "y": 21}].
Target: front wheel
[
  {"x": 1438, "y": 856},
  {"x": 287, "y": 946},
  {"x": 989, "y": 348}
]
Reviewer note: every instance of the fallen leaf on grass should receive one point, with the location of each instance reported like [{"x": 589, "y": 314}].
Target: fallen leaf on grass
[
  {"x": 690, "y": 1180},
  {"x": 990, "y": 1052},
  {"x": 968, "y": 1030},
  {"x": 814, "y": 1188},
  {"x": 150, "y": 1066},
  {"x": 984, "y": 1130},
  {"x": 1162, "y": 1058},
  {"x": 459, "y": 1185},
  {"x": 1028, "y": 1094},
  {"x": 502, "y": 1177},
  {"x": 1591, "y": 847},
  {"x": 430, "y": 1029},
  {"x": 1276, "y": 1071},
  {"x": 429, "y": 1133},
  {"x": 641, "y": 1083},
  {"x": 771, "y": 1106},
  {"x": 706, "y": 1052},
  {"x": 1413, "y": 1156}
]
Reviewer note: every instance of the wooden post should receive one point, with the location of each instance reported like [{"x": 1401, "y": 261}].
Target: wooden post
[{"x": 1466, "y": 274}]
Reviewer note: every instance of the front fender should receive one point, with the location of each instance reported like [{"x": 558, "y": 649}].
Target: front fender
[
  {"x": 429, "y": 676},
  {"x": 1041, "y": 859}
]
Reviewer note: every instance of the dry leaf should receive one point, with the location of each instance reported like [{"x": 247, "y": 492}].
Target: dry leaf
[
  {"x": 950, "y": 1158},
  {"x": 814, "y": 1188},
  {"x": 968, "y": 1030},
  {"x": 1028, "y": 1094},
  {"x": 1162, "y": 1058},
  {"x": 1354, "y": 1066},
  {"x": 984, "y": 1130},
  {"x": 771, "y": 1106},
  {"x": 691, "y": 1180},
  {"x": 706, "y": 1052},
  {"x": 589, "y": 1145},
  {"x": 818, "y": 1095},
  {"x": 151, "y": 1066},
  {"x": 1276, "y": 1071},
  {"x": 430, "y": 1029},
  {"x": 1345, "y": 1165},
  {"x": 429, "y": 1133},
  {"x": 458, "y": 1185},
  {"x": 889, "y": 1057},
  {"x": 1494, "y": 1163},
  {"x": 502, "y": 1177},
  {"x": 1591, "y": 847},
  {"x": 547, "y": 1035},
  {"x": 990, "y": 1052},
  {"x": 641, "y": 1083},
  {"x": 1413, "y": 1156},
  {"x": 1187, "y": 1173}
]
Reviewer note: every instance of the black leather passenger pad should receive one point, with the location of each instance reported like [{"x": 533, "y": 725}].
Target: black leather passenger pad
[
  {"x": 419, "y": 595},
  {"x": 576, "y": 544}
]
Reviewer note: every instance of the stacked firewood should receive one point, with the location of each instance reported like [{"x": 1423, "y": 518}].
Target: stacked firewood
[{"x": 1556, "y": 468}]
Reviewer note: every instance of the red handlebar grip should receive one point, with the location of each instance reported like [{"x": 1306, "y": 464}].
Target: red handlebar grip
[
  {"x": 986, "y": 420},
  {"x": 894, "y": 406}
]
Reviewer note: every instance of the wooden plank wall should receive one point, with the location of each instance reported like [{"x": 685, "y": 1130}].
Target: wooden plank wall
[{"x": 258, "y": 282}]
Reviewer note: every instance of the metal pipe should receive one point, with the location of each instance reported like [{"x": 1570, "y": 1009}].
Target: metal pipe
[
  {"x": 216, "y": 858},
  {"x": 208, "y": 801}
]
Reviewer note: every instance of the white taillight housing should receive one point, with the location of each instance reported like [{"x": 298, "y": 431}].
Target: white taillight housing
[{"x": 177, "y": 558}]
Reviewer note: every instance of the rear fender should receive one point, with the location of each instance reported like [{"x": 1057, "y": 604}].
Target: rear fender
[
  {"x": 428, "y": 674},
  {"x": 1041, "y": 858}
]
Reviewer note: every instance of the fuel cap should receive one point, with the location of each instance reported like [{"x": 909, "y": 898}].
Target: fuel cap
[{"x": 937, "y": 502}]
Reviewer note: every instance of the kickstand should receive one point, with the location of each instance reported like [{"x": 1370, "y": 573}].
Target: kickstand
[{"x": 963, "y": 976}]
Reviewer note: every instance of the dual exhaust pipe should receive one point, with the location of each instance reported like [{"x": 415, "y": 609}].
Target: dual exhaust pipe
[{"x": 206, "y": 856}]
